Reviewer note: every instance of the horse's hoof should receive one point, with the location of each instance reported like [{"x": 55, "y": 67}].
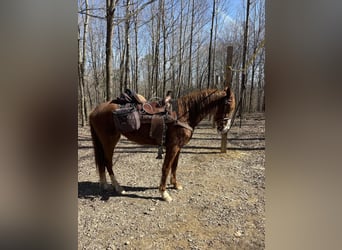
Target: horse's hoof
[
  {"x": 177, "y": 186},
  {"x": 119, "y": 190},
  {"x": 166, "y": 196}
]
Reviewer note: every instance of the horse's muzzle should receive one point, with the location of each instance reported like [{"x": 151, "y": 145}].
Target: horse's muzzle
[{"x": 223, "y": 130}]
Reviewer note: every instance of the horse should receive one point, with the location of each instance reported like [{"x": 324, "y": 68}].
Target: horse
[{"x": 191, "y": 109}]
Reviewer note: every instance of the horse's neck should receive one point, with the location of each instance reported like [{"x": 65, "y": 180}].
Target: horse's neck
[{"x": 194, "y": 110}]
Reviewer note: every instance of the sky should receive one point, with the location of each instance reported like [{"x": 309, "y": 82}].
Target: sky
[{"x": 234, "y": 8}]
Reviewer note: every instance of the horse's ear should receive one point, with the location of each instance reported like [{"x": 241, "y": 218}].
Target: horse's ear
[{"x": 227, "y": 89}]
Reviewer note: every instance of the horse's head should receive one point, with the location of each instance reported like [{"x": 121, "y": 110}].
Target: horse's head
[{"x": 225, "y": 111}]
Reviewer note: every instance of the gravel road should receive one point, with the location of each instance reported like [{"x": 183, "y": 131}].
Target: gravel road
[{"x": 222, "y": 205}]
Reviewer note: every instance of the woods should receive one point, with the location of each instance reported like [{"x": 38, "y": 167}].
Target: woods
[{"x": 153, "y": 46}]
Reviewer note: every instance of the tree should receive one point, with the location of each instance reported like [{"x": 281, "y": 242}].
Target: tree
[
  {"x": 256, "y": 37},
  {"x": 136, "y": 55},
  {"x": 110, "y": 9},
  {"x": 164, "y": 30},
  {"x": 156, "y": 45},
  {"x": 244, "y": 70},
  {"x": 81, "y": 64},
  {"x": 191, "y": 43},
  {"x": 210, "y": 43},
  {"x": 127, "y": 46}
]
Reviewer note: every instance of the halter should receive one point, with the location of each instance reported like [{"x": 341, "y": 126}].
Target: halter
[
  {"x": 226, "y": 128},
  {"x": 226, "y": 103}
]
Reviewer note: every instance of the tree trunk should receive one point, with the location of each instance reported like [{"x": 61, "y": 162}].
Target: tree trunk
[
  {"x": 190, "y": 45},
  {"x": 244, "y": 72},
  {"x": 127, "y": 44},
  {"x": 80, "y": 75},
  {"x": 122, "y": 62},
  {"x": 136, "y": 53},
  {"x": 173, "y": 68},
  {"x": 180, "y": 49},
  {"x": 214, "y": 51},
  {"x": 210, "y": 43},
  {"x": 110, "y": 9},
  {"x": 198, "y": 81},
  {"x": 94, "y": 56},
  {"x": 250, "y": 108},
  {"x": 164, "y": 46},
  {"x": 156, "y": 53},
  {"x": 82, "y": 67}
]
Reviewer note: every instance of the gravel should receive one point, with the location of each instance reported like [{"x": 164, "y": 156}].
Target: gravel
[{"x": 222, "y": 205}]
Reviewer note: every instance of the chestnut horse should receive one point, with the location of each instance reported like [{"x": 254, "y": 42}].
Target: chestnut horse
[{"x": 192, "y": 108}]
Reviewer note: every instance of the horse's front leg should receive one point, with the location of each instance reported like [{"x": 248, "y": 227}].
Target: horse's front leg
[
  {"x": 173, "y": 179},
  {"x": 170, "y": 156}
]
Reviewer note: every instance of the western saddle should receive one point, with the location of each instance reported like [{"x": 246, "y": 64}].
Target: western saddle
[{"x": 157, "y": 113}]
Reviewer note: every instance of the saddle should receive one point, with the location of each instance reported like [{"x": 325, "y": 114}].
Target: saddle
[
  {"x": 153, "y": 108},
  {"x": 156, "y": 113},
  {"x": 130, "y": 98}
]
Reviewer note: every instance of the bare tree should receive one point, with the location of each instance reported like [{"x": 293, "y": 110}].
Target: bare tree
[
  {"x": 164, "y": 30},
  {"x": 81, "y": 89},
  {"x": 173, "y": 60},
  {"x": 110, "y": 9},
  {"x": 95, "y": 44},
  {"x": 136, "y": 56},
  {"x": 180, "y": 50},
  {"x": 211, "y": 42},
  {"x": 256, "y": 44},
  {"x": 127, "y": 46},
  {"x": 244, "y": 71},
  {"x": 191, "y": 43},
  {"x": 166, "y": 44},
  {"x": 81, "y": 65}
]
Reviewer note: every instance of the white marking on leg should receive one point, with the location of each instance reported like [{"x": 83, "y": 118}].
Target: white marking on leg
[
  {"x": 166, "y": 196},
  {"x": 116, "y": 185},
  {"x": 179, "y": 186}
]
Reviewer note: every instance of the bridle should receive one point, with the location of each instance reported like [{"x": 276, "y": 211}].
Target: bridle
[{"x": 227, "y": 104}]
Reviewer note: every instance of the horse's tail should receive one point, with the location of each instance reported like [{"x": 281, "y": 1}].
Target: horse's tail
[{"x": 98, "y": 148}]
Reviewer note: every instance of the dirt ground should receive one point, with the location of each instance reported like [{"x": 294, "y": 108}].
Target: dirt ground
[{"x": 222, "y": 205}]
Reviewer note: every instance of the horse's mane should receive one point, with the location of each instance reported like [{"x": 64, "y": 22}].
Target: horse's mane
[{"x": 198, "y": 104}]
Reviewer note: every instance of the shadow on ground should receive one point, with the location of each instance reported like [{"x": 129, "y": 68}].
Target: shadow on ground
[{"x": 91, "y": 190}]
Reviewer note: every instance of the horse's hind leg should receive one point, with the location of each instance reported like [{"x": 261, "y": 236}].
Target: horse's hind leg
[
  {"x": 103, "y": 180},
  {"x": 110, "y": 145},
  {"x": 115, "y": 183}
]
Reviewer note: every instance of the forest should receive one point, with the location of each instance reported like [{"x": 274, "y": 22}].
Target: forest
[{"x": 152, "y": 46}]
